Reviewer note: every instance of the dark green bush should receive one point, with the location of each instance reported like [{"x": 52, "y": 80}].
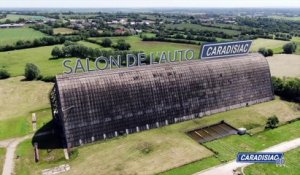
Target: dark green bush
[
  {"x": 106, "y": 42},
  {"x": 289, "y": 48},
  {"x": 32, "y": 72},
  {"x": 4, "y": 74},
  {"x": 49, "y": 79},
  {"x": 272, "y": 122},
  {"x": 265, "y": 52}
]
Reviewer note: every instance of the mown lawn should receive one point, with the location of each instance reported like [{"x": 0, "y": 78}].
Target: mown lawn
[
  {"x": 228, "y": 147},
  {"x": 169, "y": 146},
  {"x": 11, "y": 36},
  {"x": 292, "y": 159}
]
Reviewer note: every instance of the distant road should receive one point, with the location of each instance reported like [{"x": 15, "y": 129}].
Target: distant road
[{"x": 227, "y": 168}]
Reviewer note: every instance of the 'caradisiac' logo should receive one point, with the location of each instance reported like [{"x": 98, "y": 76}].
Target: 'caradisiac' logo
[
  {"x": 261, "y": 157},
  {"x": 217, "y": 50}
]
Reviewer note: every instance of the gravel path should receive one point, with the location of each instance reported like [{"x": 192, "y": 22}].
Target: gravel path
[{"x": 11, "y": 145}]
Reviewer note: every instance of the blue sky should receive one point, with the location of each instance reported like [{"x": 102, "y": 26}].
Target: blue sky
[{"x": 149, "y": 3}]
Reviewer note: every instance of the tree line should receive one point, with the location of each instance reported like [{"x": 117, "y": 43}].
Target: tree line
[
  {"x": 288, "y": 88},
  {"x": 44, "y": 41},
  {"x": 71, "y": 49}
]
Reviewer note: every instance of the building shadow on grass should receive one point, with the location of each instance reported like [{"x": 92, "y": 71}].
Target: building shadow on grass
[{"x": 47, "y": 137}]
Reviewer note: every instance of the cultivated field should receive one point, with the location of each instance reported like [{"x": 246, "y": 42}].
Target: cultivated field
[
  {"x": 200, "y": 27},
  {"x": 284, "y": 65},
  {"x": 292, "y": 159},
  {"x": 275, "y": 45},
  {"x": 20, "y": 97},
  {"x": 160, "y": 149},
  {"x": 63, "y": 31},
  {"x": 11, "y": 36}
]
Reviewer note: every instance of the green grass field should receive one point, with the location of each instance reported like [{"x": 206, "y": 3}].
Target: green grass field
[
  {"x": 200, "y": 27},
  {"x": 169, "y": 146},
  {"x": 11, "y": 36},
  {"x": 2, "y": 157},
  {"x": 152, "y": 46},
  {"x": 21, "y": 99},
  {"x": 291, "y": 167},
  {"x": 63, "y": 31},
  {"x": 275, "y": 45},
  {"x": 15, "y": 17},
  {"x": 14, "y": 61},
  {"x": 20, "y": 126},
  {"x": 228, "y": 147}
]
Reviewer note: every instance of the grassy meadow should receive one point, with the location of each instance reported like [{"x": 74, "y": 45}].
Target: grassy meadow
[
  {"x": 291, "y": 167},
  {"x": 14, "y": 61},
  {"x": 11, "y": 36},
  {"x": 228, "y": 147},
  {"x": 22, "y": 125},
  {"x": 21, "y": 97},
  {"x": 200, "y": 27},
  {"x": 169, "y": 147},
  {"x": 275, "y": 45},
  {"x": 152, "y": 46},
  {"x": 15, "y": 17}
]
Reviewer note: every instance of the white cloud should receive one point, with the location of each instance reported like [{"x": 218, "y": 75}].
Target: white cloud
[{"x": 148, "y": 3}]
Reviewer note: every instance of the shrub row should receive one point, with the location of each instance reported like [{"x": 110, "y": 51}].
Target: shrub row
[{"x": 45, "y": 41}]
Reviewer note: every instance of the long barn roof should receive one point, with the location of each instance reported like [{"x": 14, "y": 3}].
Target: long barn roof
[{"x": 94, "y": 103}]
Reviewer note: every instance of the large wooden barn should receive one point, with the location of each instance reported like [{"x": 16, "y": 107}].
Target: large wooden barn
[{"x": 98, "y": 105}]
